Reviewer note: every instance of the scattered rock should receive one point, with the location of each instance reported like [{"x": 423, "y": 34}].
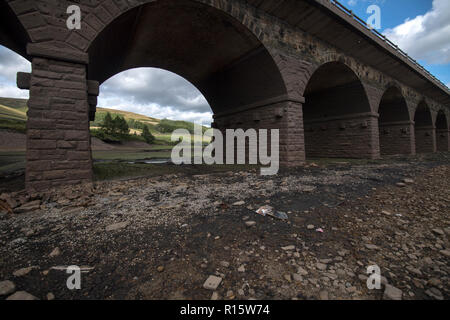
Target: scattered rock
[
  {"x": 241, "y": 268},
  {"x": 321, "y": 266},
  {"x": 215, "y": 296},
  {"x": 56, "y": 252},
  {"x": 28, "y": 207},
  {"x": 408, "y": 181},
  {"x": 7, "y": 287},
  {"x": 212, "y": 283},
  {"x": 323, "y": 295},
  {"x": 310, "y": 227},
  {"x": 160, "y": 269},
  {"x": 302, "y": 271},
  {"x": 118, "y": 226},
  {"x": 371, "y": 246},
  {"x": 435, "y": 293},
  {"x": 239, "y": 203},
  {"x": 50, "y": 296},
  {"x": 22, "y": 272},
  {"x": 250, "y": 224},
  {"x": 12, "y": 203},
  {"x": 445, "y": 252},
  {"x": 297, "y": 277},
  {"x": 439, "y": 232},
  {"x": 392, "y": 293},
  {"x": 288, "y": 248},
  {"x": 21, "y": 295}
]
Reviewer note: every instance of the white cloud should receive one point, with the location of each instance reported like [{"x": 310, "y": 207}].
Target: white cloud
[
  {"x": 11, "y": 91},
  {"x": 156, "y": 93},
  {"x": 152, "y": 85},
  {"x": 426, "y": 37},
  {"x": 10, "y": 64}
]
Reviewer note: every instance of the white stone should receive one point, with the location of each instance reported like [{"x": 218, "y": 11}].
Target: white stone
[
  {"x": 212, "y": 283},
  {"x": 250, "y": 223}
]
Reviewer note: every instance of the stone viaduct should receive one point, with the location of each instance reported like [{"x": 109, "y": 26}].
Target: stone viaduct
[{"x": 331, "y": 86}]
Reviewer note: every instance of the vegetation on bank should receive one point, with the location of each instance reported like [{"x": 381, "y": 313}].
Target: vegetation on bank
[
  {"x": 13, "y": 125},
  {"x": 117, "y": 130},
  {"x": 13, "y": 116}
]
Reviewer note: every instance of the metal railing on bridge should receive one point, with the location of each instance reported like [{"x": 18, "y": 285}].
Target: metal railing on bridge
[{"x": 382, "y": 37}]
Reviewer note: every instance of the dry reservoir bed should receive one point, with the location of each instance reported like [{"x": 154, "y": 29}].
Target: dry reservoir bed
[{"x": 162, "y": 237}]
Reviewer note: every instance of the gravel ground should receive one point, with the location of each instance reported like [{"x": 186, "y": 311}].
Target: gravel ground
[{"x": 162, "y": 237}]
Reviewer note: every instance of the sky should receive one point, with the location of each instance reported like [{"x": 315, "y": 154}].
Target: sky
[{"x": 419, "y": 27}]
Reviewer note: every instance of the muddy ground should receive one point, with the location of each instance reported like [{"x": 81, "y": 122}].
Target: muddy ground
[{"x": 175, "y": 231}]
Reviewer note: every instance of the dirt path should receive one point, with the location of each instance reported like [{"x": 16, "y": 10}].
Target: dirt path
[{"x": 178, "y": 230}]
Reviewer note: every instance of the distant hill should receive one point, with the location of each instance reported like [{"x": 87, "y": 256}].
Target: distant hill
[
  {"x": 18, "y": 104},
  {"x": 13, "y": 114}
]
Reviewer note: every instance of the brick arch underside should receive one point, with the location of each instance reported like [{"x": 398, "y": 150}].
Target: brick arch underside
[
  {"x": 395, "y": 126},
  {"x": 205, "y": 45},
  {"x": 425, "y": 133},
  {"x": 12, "y": 33},
  {"x": 337, "y": 115},
  {"x": 442, "y": 132}
]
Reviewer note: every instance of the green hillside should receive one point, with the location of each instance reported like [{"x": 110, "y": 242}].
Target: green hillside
[
  {"x": 12, "y": 113},
  {"x": 13, "y": 117},
  {"x": 18, "y": 104}
]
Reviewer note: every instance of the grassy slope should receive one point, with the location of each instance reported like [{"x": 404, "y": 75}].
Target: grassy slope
[
  {"x": 130, "y": 115},
  {"x": 12, "y": 113},
  {"x": 15, "y": 109},
  {"x": 18, "y": 104}
]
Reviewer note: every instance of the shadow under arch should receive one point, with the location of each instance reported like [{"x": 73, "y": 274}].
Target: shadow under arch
[
  {"x": 337, "y": 114},
  {"x": 442, "y": 132},
  {"x": 425, "y": 133},
  {"x": 395, "y": 125},
  {"x": 205, "y": 45},
  {"x": 12, "y": 33}
]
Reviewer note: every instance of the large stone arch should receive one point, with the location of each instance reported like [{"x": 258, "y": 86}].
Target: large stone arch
[
  {"x": 442, "y": 131},
  {"x": 338, "y": 117},
  {"x": 396, "y": 128},
  {"x": 228, "y": 62},
  {"x": 425, "y": 130},
  {"x": 216, "y": 52}
]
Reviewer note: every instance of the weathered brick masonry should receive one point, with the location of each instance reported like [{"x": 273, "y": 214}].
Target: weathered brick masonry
[
  {"x": 268, "y": 64},
  {"x": 58, "y": 142},
  {"x": 397, "y": 138},
  {"x": 443, "y": 140}
]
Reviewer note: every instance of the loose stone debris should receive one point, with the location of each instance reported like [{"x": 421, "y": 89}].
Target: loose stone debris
[{"x": 161, "y": 237}]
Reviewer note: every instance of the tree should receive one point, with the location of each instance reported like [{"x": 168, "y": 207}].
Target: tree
[
  {"x": 107, "y": 124},
  {"x": 121, "y": 125},
  {"x": 147, "y": 135}
]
